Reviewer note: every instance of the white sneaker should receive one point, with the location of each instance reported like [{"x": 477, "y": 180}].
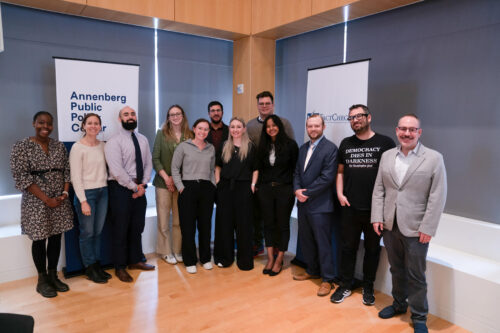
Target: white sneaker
[
  {"x": 170, "y": 259},
  {"x": 220, "y": 265},
  {"x": 191, "y": 269},
  {"x": 178, "y": 257},
  {"x": 208, "y": 265}
]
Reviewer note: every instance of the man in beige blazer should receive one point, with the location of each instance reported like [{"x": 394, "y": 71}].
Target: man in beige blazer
[{"x": 407, "y": 203}]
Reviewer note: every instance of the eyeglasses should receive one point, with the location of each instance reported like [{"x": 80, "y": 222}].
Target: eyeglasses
[
  {"x": 357, "y": 116},
  {"x": 265, "y": 104},
  {"x": 173, "y": 115},
  {"x": 410, "y": 129}
]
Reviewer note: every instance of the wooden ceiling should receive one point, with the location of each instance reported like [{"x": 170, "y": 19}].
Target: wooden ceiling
[{"x": 226, "y": 19}]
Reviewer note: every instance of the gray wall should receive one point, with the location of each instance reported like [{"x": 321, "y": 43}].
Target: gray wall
[
  {"x": 439, "y": 59},
  {"x": 192, "y": 70}
]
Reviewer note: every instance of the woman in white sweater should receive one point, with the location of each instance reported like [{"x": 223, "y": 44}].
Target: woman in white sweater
[{"x": 89, "y": 179}]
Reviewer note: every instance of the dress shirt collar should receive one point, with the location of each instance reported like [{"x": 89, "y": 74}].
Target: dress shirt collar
[
  {"x": 314, "y": 144},
  {"x": 414, "y": 151}
]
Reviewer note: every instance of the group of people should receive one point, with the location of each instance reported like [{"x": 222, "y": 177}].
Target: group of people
[{"x": 253, "y": 173}]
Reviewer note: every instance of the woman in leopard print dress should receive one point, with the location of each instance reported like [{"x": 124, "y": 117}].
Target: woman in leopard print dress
[{"x": 40, "y": 169}]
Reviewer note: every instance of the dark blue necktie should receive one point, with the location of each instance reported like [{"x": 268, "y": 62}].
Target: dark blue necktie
[{"x": 139, "y": 168}]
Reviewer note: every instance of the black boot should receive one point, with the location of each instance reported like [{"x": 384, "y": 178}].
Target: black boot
[
  {"x": 101, "y": 271},
  {"x": 93, "y": 274},
  {"x": 55, "y": 282},
  {"x": 43, "y": 286}
]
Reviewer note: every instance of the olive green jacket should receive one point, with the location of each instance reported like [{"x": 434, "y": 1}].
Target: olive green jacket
[{"x": 163, "y": 151}]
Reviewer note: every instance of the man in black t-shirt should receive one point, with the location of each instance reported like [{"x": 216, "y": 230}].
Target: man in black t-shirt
[{"x": 358, "y": 161}]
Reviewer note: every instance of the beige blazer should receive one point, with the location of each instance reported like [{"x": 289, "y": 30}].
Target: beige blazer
[{"x": 418, "y": 201}]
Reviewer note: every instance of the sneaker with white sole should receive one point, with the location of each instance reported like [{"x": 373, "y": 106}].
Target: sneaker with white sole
[
  {"x": 178, "y": 257},
  {"x": 339, "y": 295},
  {"x": 208, "y": 265},
  {"x": 170, "y": 259},
  {"x": 191, "y": 269}
]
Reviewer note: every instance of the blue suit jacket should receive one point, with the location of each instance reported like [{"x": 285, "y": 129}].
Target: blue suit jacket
[{"x": 318, "y": 178}]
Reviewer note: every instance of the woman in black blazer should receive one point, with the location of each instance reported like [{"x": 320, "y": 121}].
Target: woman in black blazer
[{"x": 277, "y": 156}]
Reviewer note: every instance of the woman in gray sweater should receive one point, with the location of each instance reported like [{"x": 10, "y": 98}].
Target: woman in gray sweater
[{"x": 193, "y": 166}]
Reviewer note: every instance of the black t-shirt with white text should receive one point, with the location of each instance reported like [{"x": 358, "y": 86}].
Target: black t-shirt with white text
[{"x": 361, "y": 159}]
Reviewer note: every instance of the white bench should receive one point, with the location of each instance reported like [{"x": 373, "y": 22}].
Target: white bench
[
  {"x": 17, "y": 262},
  {"x": 463, "y": 273}
]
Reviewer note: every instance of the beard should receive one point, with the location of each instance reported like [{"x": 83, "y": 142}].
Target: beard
[
  {"x": 361, "y": 129},
  {"x": 216, "y": 121},
  {"x": 129, "y": 125}
]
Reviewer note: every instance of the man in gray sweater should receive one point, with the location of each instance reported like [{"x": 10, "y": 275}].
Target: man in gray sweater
[{"x": 265, "y": 106}]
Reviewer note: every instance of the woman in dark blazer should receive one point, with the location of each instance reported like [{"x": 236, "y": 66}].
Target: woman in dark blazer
[{"x": 277, "y": 156}]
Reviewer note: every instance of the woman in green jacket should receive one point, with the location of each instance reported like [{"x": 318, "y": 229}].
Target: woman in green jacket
[{"x": 174, "y": 131}]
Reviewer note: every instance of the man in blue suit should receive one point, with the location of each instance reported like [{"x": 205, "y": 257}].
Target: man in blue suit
[{"x": 314, "y": 186}]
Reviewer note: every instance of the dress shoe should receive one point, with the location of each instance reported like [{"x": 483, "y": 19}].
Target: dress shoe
[
  {"x": 305, "y": 276},
  {"x": 142, "y": 266},
  {"x": 123, "y": 275},
  {"x": 273, "y": 273},
  {"x": 324, "y": 289},
  {"x": 43, "y": 286},
  {"x": 266, "y": 271},
  {"x": 55, "y": 282},
  {"x": 93, "y": 274},
  {"x": 420, "y": 328},
  {"x": 389, "y": 312}
]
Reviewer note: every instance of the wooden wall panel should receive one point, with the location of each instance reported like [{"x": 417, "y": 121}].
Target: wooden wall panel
[
  {"x": 242, "y": 73},
  {"x": 163, "y": 9},
  {"x": 268, "y": 14},
  {"x": 335, "y": 15},
  {"x": 320, "y": 6},
  {"x": 229, "y": 15},
  {"x": 254, "y": 66},
  {"x": 73, "y": 7}
]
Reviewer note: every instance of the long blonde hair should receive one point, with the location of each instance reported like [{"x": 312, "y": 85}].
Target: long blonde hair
[
  {"x": 168, "y": 131},
  {"x": 227, "y": 151}
]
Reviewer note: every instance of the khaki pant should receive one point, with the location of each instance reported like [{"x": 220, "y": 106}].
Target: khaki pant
[{"x": 169, "y": 238}]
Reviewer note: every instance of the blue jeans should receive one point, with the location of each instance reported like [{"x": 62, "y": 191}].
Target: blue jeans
[{"x": 91, "y": 226}]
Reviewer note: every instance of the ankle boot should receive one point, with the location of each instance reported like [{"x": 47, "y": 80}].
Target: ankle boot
[
  {"x": 101, "y": 271},
  {"x": 43, "y": 286},
  {"x": 93, "y": 274},
  {"x": 55, "y": 282}
]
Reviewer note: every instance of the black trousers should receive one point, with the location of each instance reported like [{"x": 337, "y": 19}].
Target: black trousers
[
  {"x": 234, "y": 214},
  {"x": 276, "y": 203},
  {"x": 353, "y": 223},
  {"x": 196, "y": 203},
  {"x": 127, "y": 222},
  {"x": 257, "y": 225}
]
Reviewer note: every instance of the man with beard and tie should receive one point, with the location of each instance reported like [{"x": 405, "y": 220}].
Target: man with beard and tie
[
  {"x": 313, "y": 183},
  {"x": 218, "y": 130},
  {"x": 359, "y": 158},
  {"x": 130, "y": 165}
]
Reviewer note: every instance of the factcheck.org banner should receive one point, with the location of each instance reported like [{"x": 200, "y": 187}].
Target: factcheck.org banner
[
  {"x": 89, "y": 86},
  {"x": 332, "y": 90}
]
